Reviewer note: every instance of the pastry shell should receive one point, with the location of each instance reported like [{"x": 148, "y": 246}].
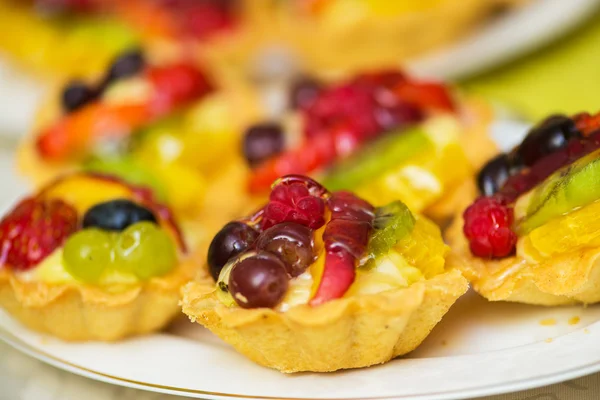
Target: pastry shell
[
  {"x": 568, "y": 278},
  {"x": 77, "y": 312},
  {"x": 370, "y": 42},
  {"x": 352, "y": 332}
]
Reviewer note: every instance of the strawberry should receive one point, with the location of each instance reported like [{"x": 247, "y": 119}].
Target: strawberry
[{"x": 33, "y": 230}]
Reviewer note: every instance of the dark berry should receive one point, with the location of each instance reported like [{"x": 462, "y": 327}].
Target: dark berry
[
  {"x": 493, "y": 175},
  {"x": 487, "y": 226},
  {"x": 292, "y": 243},
  {"x": 33, "y": 230},
  {"x": 262, "y": 141},
  {"x": 552, "y": 134},
  {"x": 258, "y": 281},
  {"x": 303, "y": 92},
  {"x": 126, "y": 65},
  {"x": 76, "y": 95},
  {"x": 231, "y": 240},
  {"x": 116, "y": 215}
]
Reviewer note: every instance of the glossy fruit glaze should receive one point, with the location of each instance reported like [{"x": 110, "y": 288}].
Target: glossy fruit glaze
[
  {"x": 555, "y": 143},
  {"x": 302, "y": 229},
  {"x": 134, "y": 235}
]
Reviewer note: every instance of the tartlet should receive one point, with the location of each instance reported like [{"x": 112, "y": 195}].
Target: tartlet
[
  {"x": 533, "y": 236},
  {"x": 384, "y": 135},
  {"x": 164, "y": 125},
  {"x": 90, "y": 257},
  {"x": 320, "y": 281},
  {"x": 53, "y": 39},
  {"x": 350, "y": 35}
]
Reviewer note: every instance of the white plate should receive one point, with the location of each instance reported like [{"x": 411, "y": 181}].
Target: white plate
[
  {"x": 516, "y": 33},
  {"x": 478, "y": 349}
]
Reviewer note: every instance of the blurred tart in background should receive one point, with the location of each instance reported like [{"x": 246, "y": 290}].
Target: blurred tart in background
[
  {"x": 350, "y": 35},
  {"x": 384, "y": 135},
  {"x": 79, "y": 37},
  {"x": 168, "y": 126}
]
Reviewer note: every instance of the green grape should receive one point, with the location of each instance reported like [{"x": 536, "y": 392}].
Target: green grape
[
  {"x": 145, "y": 250},
  {"x": 87, "y": 254}
]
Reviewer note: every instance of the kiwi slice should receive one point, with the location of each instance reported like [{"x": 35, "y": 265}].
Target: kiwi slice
[
  {"x": 390, "y": 151},
  {"x": 391, "y": 224},
  {"x": 129, "y": 170},
  {"x": 569, "y": 188}
]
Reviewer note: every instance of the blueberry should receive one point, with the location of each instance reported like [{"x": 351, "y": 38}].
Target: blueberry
[
  {"x": 493, "y": 175},
  {"x": 262, "y": 141},
  {"x": 231, "y": 240},
  {"x": 303, "y": 92},
  {"x": 552, "y": 134},
  {"x": 116, "y": 215},
  {"x": 126, "y": 65},
  {"x": 77, "y": 94}
]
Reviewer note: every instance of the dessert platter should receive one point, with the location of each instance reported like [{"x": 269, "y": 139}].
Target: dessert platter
[
  {"x": 307, "y": 281},
  {"x": 368, "y": 233}
]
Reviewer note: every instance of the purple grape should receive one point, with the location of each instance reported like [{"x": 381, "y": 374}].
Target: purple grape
[
  {"x": 292, "y": 243},
  {"x": 258, "y": 281},
  {"x": 233, "y": 239}
]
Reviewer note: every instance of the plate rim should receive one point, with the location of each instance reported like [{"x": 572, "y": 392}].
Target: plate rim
[
  {"x": 442, "y": 63},
  {"x": 512, "y": 386}
]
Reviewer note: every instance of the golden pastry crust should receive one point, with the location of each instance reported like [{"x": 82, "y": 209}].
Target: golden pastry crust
[
  {"x": 372, "y": 41},
  {"x": 77, "y": 312},
  {"x": 568, "y": 278},
  {"x": 352, "y": 332}
]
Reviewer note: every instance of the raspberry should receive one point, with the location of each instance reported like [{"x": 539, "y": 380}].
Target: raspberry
[
  {"x": 33, "y": 230},
  {"x": 176, "y": 85},
  {"x": 295, "y": 199},
  {"x": 488, "y": 228},
  {"x": 349, "y": 104}
]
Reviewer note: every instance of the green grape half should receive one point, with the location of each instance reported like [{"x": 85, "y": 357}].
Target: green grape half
[
  {"x": 145, "y": 250},
  {"x": 87, "y": 254}
]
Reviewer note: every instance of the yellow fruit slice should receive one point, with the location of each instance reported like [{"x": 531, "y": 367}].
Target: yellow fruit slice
[
  {"x": 185, "y": 187},
  {"x": 82, "y": 191},
  {"x": 580, "y": 228},
  {"x": 424, "y": 248},
  {"x": 422, "y": 179}
]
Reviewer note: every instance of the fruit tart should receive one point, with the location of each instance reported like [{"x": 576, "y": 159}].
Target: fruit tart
[
  {"x": 160, "y": 125},
  {"x": 322, "y": 281},
  {"x": 54, "y": 37},
  {"x": 349, "y": 35},
  {"x": 383, "y": 135},
  {"x": 533, "y": 235},
  {"x": 90, "y": 257}
]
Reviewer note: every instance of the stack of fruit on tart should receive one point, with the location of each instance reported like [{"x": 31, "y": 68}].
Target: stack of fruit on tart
[
  {"x": 350, "y": 35},
  {"x": 321, "y": 281},
  {"x": 163, "y": 126},
  {"x": 383, "y": 134},
  {"x": 90, "y": 257},
  {"x": 55, "y": 37},
  {"x": 534, "y": 234}
]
